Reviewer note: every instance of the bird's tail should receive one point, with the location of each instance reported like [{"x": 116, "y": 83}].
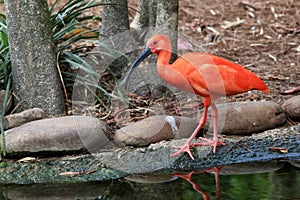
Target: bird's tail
[
  {"x": 258, "y": 84},
  {"x": 266, "y": 90}
]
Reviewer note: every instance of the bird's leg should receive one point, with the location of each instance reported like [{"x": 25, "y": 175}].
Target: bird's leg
[
  {"x": 186, "y": 147},
  {"x": 214, "y": 112},
  {"x": 215, "y": 142},
  {"x": 217, "y": 179},
  {"x": 196, "y": 187}
]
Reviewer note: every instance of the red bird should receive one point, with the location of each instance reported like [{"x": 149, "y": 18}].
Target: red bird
[{"x": 206, "y": 75}]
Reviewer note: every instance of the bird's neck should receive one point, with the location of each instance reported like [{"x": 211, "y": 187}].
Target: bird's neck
[{"x": 163, "y": 58}]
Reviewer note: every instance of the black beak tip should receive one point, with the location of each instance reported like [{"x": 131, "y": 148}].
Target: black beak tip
[
  {"x": 146, "y": 52},
  {"x": 125, "y": 83}
]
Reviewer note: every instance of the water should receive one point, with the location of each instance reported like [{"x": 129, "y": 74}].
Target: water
[{"x": 253, "y": 181}]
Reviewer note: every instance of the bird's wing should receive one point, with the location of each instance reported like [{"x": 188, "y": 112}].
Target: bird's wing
[{"x": 218, "y": 76}]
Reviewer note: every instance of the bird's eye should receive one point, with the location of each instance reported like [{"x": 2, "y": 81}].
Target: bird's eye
[{"x": 154, "y": 43}]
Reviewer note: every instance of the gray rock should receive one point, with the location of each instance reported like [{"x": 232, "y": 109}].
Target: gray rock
[
  {"x": 244, "y": 118},
  {"x": 55, "y": 191},
  {"x": 154, "y": 129},
  {"x": 151, "y": 178},
  {"x": 254, "y": 167},
  {"x": 18, "y": 119},
  {"x": 292, "y": 108},
  {"x": 241, "y": 118},
  {"x": 237, "y": 150},
  {"x": 57, "y": 136},
  {"x": 295, "y": 163}
]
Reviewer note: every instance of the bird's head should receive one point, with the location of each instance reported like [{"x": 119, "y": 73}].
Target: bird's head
[{"x": 155, "y": 45}]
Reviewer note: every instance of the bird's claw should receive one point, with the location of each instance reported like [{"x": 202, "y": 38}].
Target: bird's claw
[
  {"x": 209, "y": 142},
  {"x": 187, "y": 147},
  {"x": 184, "y": 148}
]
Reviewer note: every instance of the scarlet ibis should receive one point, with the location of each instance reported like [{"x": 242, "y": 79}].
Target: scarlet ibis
[{"x": 206, "y": 75}]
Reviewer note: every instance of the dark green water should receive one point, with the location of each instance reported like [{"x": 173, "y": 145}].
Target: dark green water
[{"x": 273, "y": 181}]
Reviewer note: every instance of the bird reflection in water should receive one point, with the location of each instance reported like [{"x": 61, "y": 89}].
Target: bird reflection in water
[{"x": 197, "y": 188}]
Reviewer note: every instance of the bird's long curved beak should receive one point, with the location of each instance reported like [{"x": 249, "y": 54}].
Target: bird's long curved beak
[{"x": 145, "y": 53}]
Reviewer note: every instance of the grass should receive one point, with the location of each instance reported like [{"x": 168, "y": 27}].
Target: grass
[
  {"x": 68, "y": 27},
  {"x": 5, "y": 67},
  {"x": 5, "y": 75}
]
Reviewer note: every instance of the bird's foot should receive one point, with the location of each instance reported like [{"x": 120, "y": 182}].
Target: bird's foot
[
  {"x": 208, "y": 142},
  {"x": 187, "y": 147},
  {"x": 196, "y": 187},
  {"x": 184, "y": 148},
  {"x": 185, "y": 176}
]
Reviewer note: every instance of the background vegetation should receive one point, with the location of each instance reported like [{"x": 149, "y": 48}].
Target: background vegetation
[{"x": 73, "y": 39}]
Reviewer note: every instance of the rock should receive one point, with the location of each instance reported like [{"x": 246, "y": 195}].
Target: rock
[
  {"x": 146, "y": 159},
  {"x": 17, "y": 119},
  {"x": 55, "y": 191},
  {"x": 237, "y": 150},
  {"x": 232, "y": 169},
  {"x": 56, "y": 136},
  {"x": 154, "y": 129},
  {"x": 244, "y": 118},
  {"x": 241, "y": 118},
  {"x": 151, "y": 178},
  {"x": 295, "y": 163},
  {"x": 71, "y": 169},
  {"x": 254, "y": 167},
  {"x": 292, "y": 108}
]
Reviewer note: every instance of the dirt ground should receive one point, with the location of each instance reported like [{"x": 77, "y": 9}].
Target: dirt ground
[{"x": 263, "y": 36}]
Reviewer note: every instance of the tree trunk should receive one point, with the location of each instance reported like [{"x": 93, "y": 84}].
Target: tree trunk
[
  {"x": 167, "y": 14},
  {"x": 114, "y": 17},
  {"x": 141, "y": 18},
  {"x": 167, "y": 20},
  {"x": 152, "y": 6},
  {"x": 146, "y": 14},
  {"x": 35, "y": 78},
  {"x": 114, "y": 21},
  {"x": 163, "y": 15}
]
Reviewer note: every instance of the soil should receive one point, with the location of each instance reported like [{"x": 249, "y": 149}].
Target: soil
[{"x": 263, "y": 36}]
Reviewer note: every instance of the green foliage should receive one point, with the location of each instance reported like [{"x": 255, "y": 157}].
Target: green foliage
[
  {"x": 68, "y": 23},
  {"x": 69, "y": 30},
  {"x": 4, "y": 53},
  {"x": 5, "y": 77}
]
